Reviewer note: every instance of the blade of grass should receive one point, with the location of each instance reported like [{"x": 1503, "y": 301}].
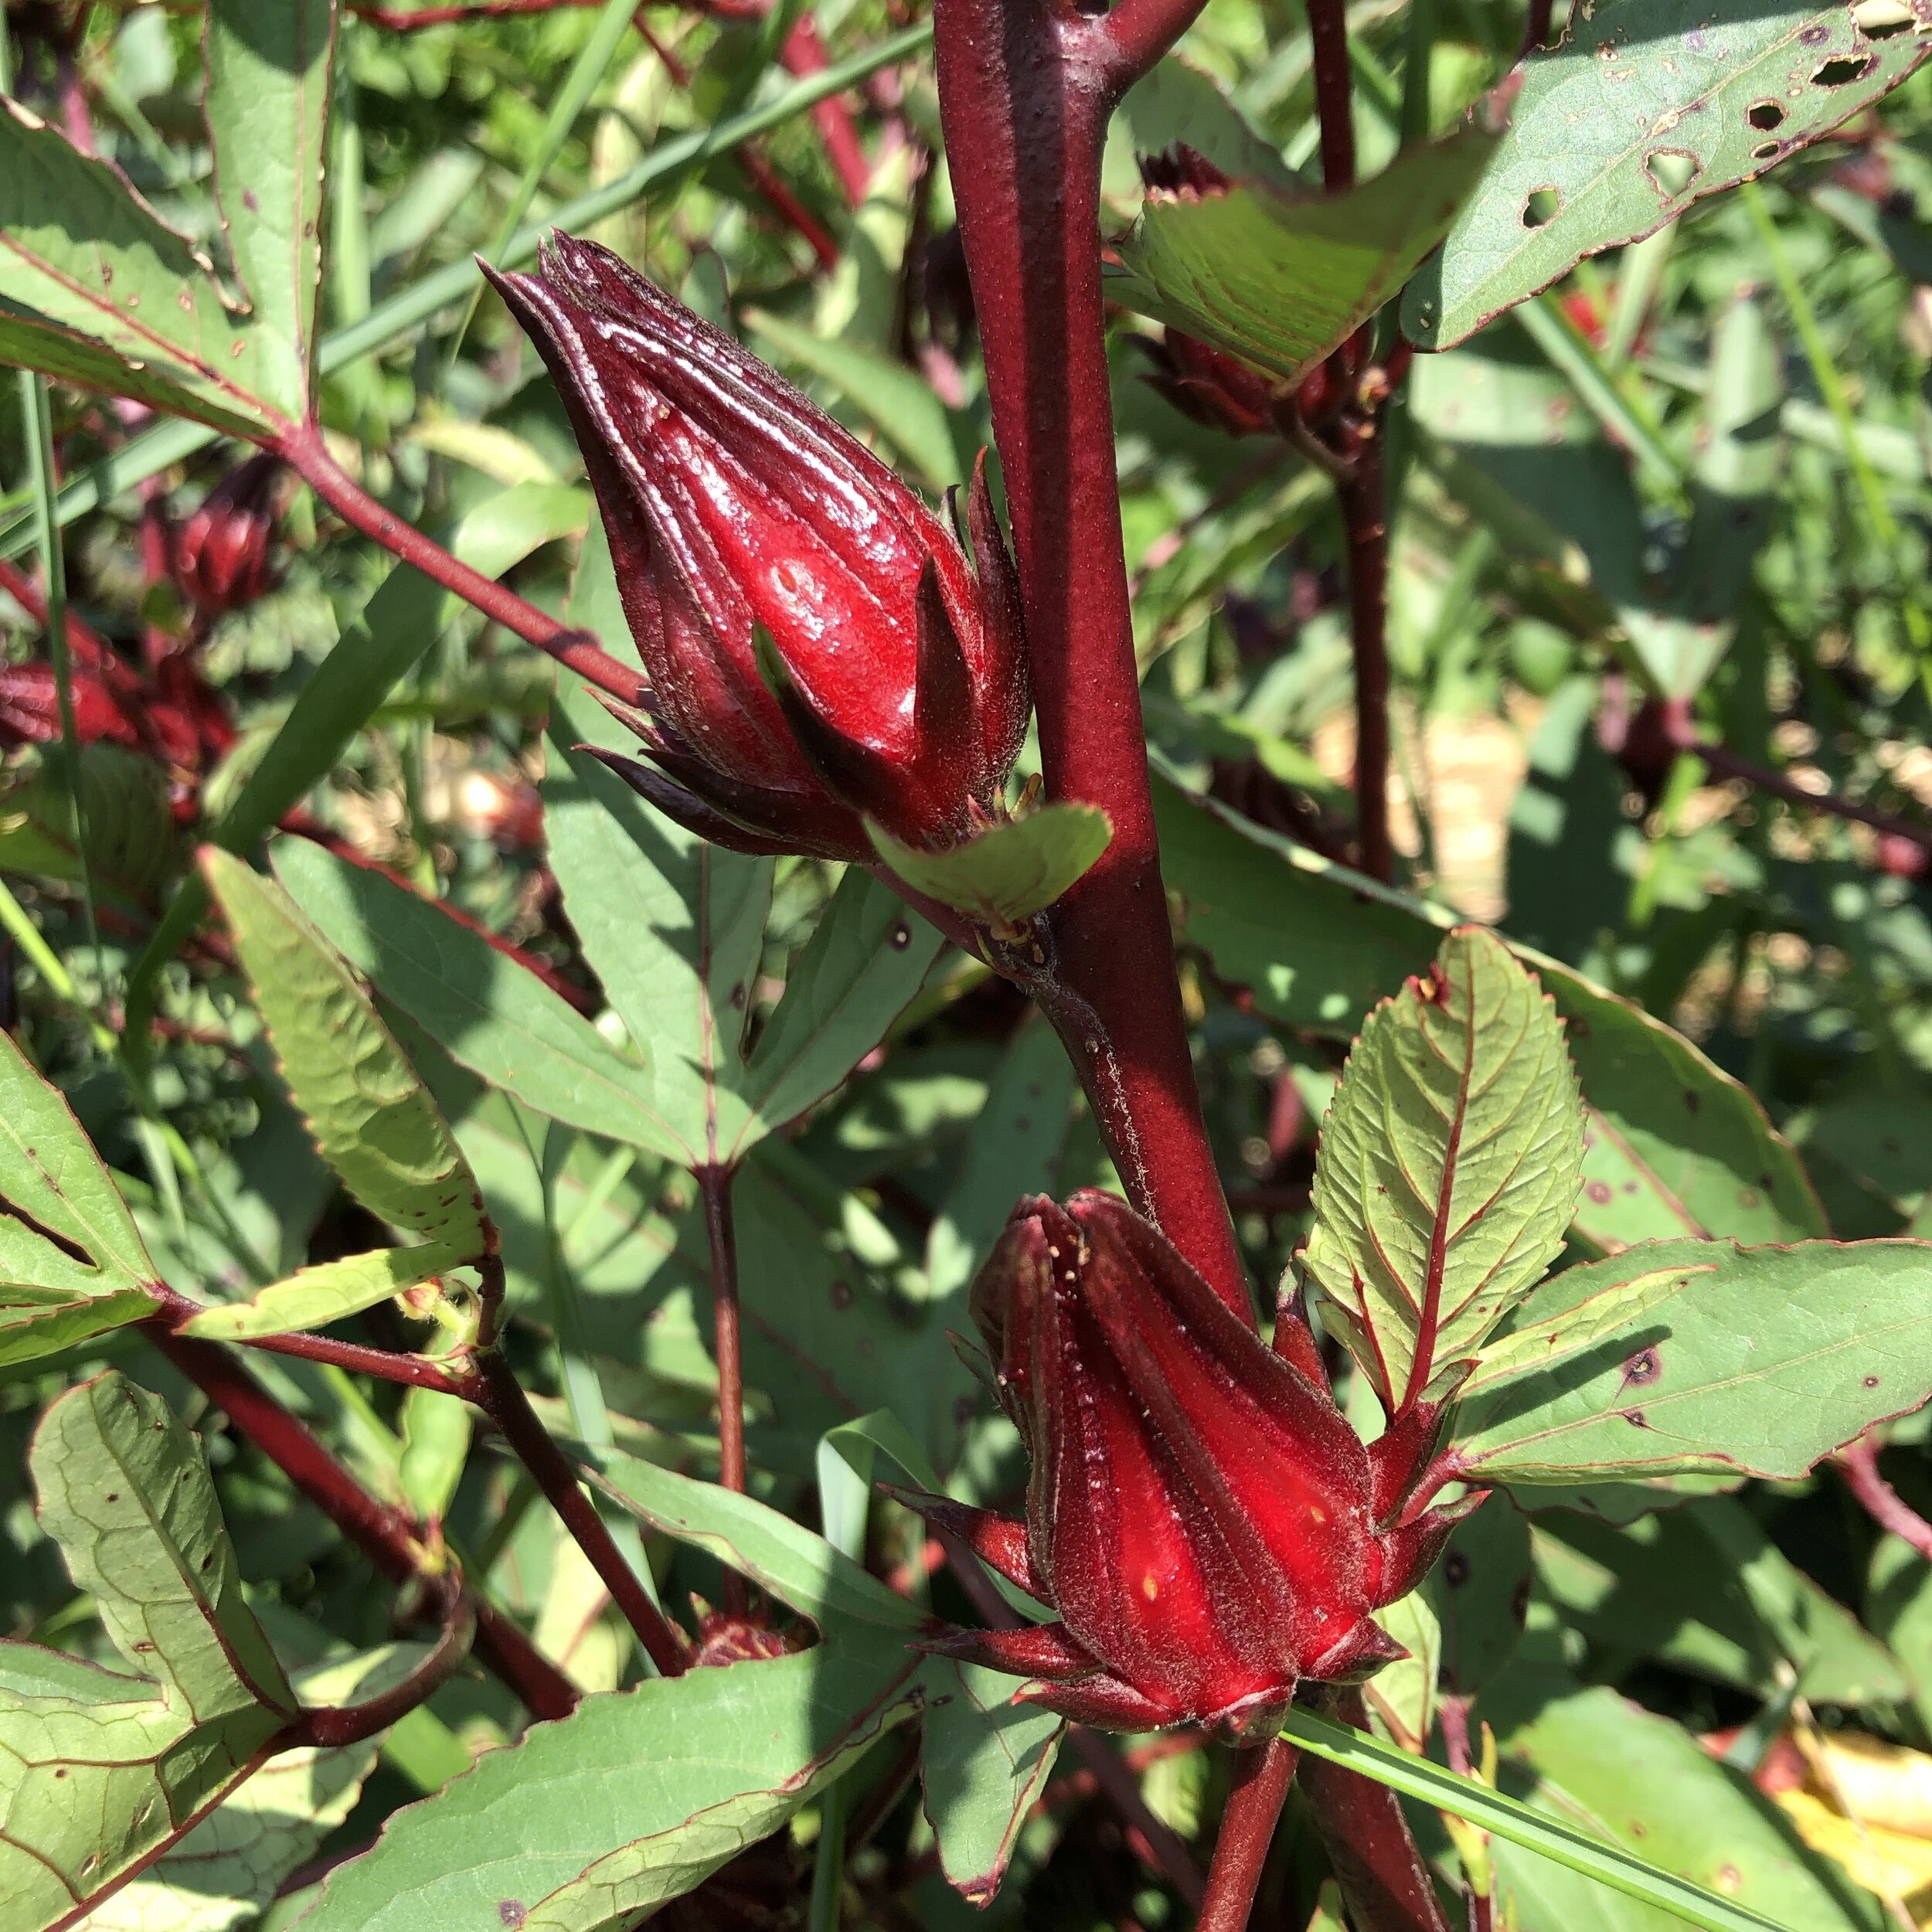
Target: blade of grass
[
  {"x": 1567, "y": 350},
  {"x": 844, "y": 1495},
  {"x": 1507, "y": 1818},
  {"x": 592, "y": 62},
  {"x": 389, "y": 321}
]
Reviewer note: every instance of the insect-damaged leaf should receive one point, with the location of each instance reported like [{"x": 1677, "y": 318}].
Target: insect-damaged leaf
[
  {"x": 1448, "y": 1166},
  {"x": 72, "y": 1262},
  {"x": 99, "y": 1773},
  {"x": 1644, "y": 107}
]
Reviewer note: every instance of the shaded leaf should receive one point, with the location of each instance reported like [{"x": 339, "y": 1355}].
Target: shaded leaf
[
  {"x": 1640, "y": 111},
  {"x": 1765, "y": 1360},
  {"x": 1003, "y": 875},
  {"x": 315, "y": 1297},
  {"x": 1283, "y": 280},
  {"x": 73, "y": 1264},
  {"x": 269, "y": 65},
  {"x": 1448, "y": 1166}
]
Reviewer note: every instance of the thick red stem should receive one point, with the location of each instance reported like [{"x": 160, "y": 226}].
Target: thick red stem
[
  {"x": 1025, "y": 95},
  {"x": 1859, "y": 1467},
  {"x": 1382, "y": 1878},
  {"x": 349, "y": 1724},
  {"x": 305, "y": 452},
  {"x": 1365, "y": 515},
  {"x": 1262, "y": 1776},
  {"x": 1334, "y": 102},
  {"x": 385, "y": 1535}
]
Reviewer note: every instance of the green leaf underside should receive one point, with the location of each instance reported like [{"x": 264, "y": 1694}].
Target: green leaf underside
[
  {"x": 1448, "y": 1164},
  {"x": 268, "y": 71},
  {"x": 99, "y": 1773},
  {"x": 1673, "y": 1145},
  {"x": 640, "y": 1795},
  {"x": 315, "y": 1297},
  {"x": 1282, "y": 280},
  {"x": 373, "y": 1120},
  {"x": 73, "y": 1264},
  {"x": 1644, "y": 108},
  {"x": 1555, "y": 1838},
  {"x": 1006, "y": 873},
  {"x": 1765, "y": 1360},
  {"x": 86, "y": 257}
]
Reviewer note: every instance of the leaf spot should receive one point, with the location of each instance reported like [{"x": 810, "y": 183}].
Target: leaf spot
[
  {"x": 1642, "y": 1370},
  {"x": 842, "y": 1295},
  {"x": 1455, "y": 1570},
  {"x": 1728, "y": 1878},
  {"x": 1871, "y": 1382},
  {"x": 1599, "y": 1192},
  {"x": 511, "y": 1911},
  {"x": 900, "y": 936},
  {"x": 249, "y": 202},
  {"x": 1635, "y": 1418}
]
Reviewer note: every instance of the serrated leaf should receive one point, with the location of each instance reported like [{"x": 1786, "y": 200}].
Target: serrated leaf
[
  {"x": 373, "y": 1120},
  {"x": 985, "y": 1760},
  {"x": 1448, "y": 1164},
  {"x": 87, "y": 261},
  {"x": 638, "y": 1795},
  {"x": 489, "y": 1013},
  {"x": 220, "y": 1876},
  {"x": 1642, "y": 109},
  {"x": 269, "y": 63},
  {"x": 100, "y": 1773},
  {"x": 1764, "y": 1361},
  {"x": 1006, "y": 873},
  {"x": 1282, "y": 280},
  {"x": 73, "y": 1264},
  {"x": 315, "y": 1297},
  {"x": 1673, "y": 1144}
]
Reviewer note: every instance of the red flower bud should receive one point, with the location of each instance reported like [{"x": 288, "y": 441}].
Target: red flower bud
[
  {"x": 30, "y": 707},
  {"x": 219, "y": 556},
  {"x": 1213, "y": 388},
  {"x": 1199, "y": 1512},
  {"x": 819, "y": 648}
]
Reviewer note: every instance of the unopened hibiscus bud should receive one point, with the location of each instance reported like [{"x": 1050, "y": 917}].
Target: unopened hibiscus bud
[
  {"x": 30, "y": 707},
  {"x": 1199, "y": 1512},
  {"x": 219, "y": 558},
  {"x": 1215, "y": 389},
  {"x": 820, "y": 651}
]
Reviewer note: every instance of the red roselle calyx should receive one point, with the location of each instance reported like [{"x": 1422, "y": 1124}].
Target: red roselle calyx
[
  {"x": 219, "y": 558},
  {"x": 819, "y": 650},
  {"x": 1199, "y": 1512}
]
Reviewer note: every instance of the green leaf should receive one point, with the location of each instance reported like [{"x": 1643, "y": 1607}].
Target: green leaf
[
  {"x": 131, "y": 838},
  {"x": 985, "y": 1761},
  {"x": 436, "y": 1444},
  {"x": 1703, "y": 1588},
  {"x": 269, "y": 66},
  {"x": 1557, "y": 1838},
  {"x": 1402, "y": 1695},
  {"x": 1448, "y": 1166},
  {"x": 99, "y": 1773},
  {"x": 1765, "y": 1360},
  {"x": 487, "y": 1012},
  {"x": 1481, "y": 1592},
  {"x": 99, "y": 290},
  {"x": 226, "y": 1870},
  {"x": 1003, "y": 875},
  {"x": 73, "y": 1264},
  {"x": 1283, "y": 280},
  {"x": 897, "y": 401},
  {"x": 1645, "y": 1785},
  {"x": 1532, "y": 1346},
  {"x": 315, "y": 1297},
  {"x": 1641, "y": 109},
  {"x": 1673, "y": 1145},
  {"x": 373, "y": 1120}
]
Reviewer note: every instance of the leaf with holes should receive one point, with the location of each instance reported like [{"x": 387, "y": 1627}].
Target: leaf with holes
[
  {"x": 1008, "y": 872},
  {"x": 100, "y": 291},
  {"x": 1763, "y": 1360},
  {"x": 269, "y": 63},
  {"x": 72, "y": 1262},
  {"x": 373, "y": 1120},
  {"x": 1643, "y": 108},
  {"x": 1448, "y": 1166},
  {"x": 1283, "y": 279},
  {"x": 99, "y": 1773}
]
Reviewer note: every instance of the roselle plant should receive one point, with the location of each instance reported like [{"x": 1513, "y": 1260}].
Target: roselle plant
[{"x": 1187, "y": 1188}]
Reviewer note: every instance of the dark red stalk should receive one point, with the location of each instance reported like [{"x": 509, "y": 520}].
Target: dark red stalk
[
  {"x": 386, "y": 1365},
  {"x": 385, "y": 1535},
  {"x": 1262, "y": 1776},
  {"x": 410, "y": 19},
  {"x": 1381, "y": 1875},
  {"x": 1536, "y": 32},
  {"x": 500, "y": 1395},
  {"x": 1859, "y": 1465},
  {"x": 804, "y": 54},
  {"x": 352, "y": 1723},
  {"x": 1334, "y": 100},
  {"x": 1365, "y": 515},
  {"x": 1025, "y": 95},
  {"x": 305, "y": 452},
  {"x": 714, "y": 1183}
]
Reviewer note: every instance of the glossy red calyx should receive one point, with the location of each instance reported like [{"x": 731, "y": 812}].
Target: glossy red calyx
[
  {"x": 819, "y": 649},
  {"x": 1199, "y": 1512},
  {"x": 219, "y": 556}
]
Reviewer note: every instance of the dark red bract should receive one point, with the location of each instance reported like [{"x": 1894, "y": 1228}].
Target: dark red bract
[
  {"x": 1199, "y": 1512},
  {"x": 219, "y": 556},
  {"x": 819, "y": 650}
]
